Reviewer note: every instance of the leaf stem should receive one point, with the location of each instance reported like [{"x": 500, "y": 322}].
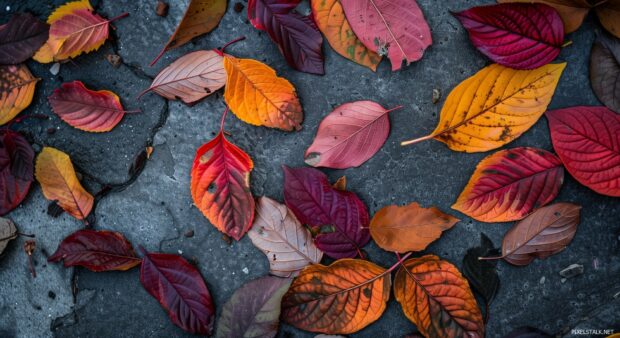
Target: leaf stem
[
  {"x": 163, "y": 50},
  {"x": 492, "y": 258},
  {"x": 220, "y": 50},
  {"x": 400, "y": 261},
  {"x": 223, "y": 119},
  {"x": 567, "y": 43},
  {"x": 124, "y": 15},
  {"x": 393, "y": 109},
  {"x": 420, "y": 139},
  {"x": 25, "y": 117}
]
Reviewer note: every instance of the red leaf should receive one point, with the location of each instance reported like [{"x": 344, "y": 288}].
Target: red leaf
[
  {"x": 393, "y": 27},
  {"x": 349, "y": 135},
  {"x": 181, "y": 291},
  {"x": 516, "y": 35},
  {"x": 97, "y": 251},
  {"x": 339, "y": 217},
  {"x": 296, "y": 35},
  {"x": 221, "y": 186},
  {"x": 509, "y": 184},
  {"x": 85, "y": 109},
  {"x": 16, "y": 175},
  {"x": 587, "y": 139},
  {"x": 21, "y": 37}
]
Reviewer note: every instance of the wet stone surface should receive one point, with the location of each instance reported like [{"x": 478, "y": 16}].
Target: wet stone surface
[{"x": 156, "y": 210}]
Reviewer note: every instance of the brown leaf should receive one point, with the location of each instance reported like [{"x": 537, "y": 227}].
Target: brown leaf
[
  {"x": 8, "y": 232},
  {"x": 340, "y": 184}
]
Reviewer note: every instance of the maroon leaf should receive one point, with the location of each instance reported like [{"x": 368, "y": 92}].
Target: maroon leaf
[
  {"x": 587, "y": 140},
  {"x": 349, "y": 135},
  {"x": 605, "y": 71},
  {"x": 516, "y": 35},
  {"x": 21, "y": 37},
  {"x": 97, "y": 251},
  {"x": 296, "y": 35},
  {"x": 16, "y": 170},
  {"x": 181, "y": 291},
  {"x": 339, "y": 217}
]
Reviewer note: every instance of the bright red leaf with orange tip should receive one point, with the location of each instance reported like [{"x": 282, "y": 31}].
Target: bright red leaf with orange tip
[{"x": 221, "y": 185}]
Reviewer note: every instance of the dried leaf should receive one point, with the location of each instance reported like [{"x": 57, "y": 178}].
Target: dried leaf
[
  {"x": 88, "y": 110},
  {"x": 395, "y": 28},
  {"x": 349, "y": 135},
  {"x": 544, "y": 233},
  {"x": 8, "y": 232},
  {"x": 519, "y": 36},
  {"x": 254, "y": 309},
  {"x": 605, "y": 71},
  {"x": 408, "y": 228},
  {"x": 258, "y": 97},
  {"x": 16, "y": 91},
  {"x": 201, "y": 17},
  {"x": 340, "y": 184},
  {"x": 509, "y": 184},
  {"x": 437, "y": 299},
  {"x": 97, "y": 251},
  {"x": 587, "y": 140},
  {"x": 279, "y": 235},
  {"x": 21, "y": 37},
  {"x": 296, "y": 35},
  {"x": 608, "y": 13},
  {"x": 181, "y": 291},
  {"x": 482, "y": 274},
  {"x": 329, "y": 17},
  {"x": 56, "y": 175},
  {"x": 16, "y": 175},
  {"x": 572, "y": 11},
  {"x": 341, "y": 298},
  {"x": 191, "y": 77},
  {"x": 494, "y": 107}
]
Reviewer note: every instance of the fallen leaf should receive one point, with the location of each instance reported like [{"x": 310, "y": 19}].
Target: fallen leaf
[
  {"x": 605, "y": 71},
  {"x": 349, "y": 135},
  {"x": 437, "y": 299},
  {"x": 544, "y": 233},
  {"x": 191, "y": 77},
  {"x": 8, "y": 232},
  {"x": 395, "y": 28},
  {"x": 339, "y": 217},
  {"x": 16, "y": 175},
  {"x": 97, "y": 251},
  {"x": 220, "y": 185},
  {"x": 296, "y": 35},
  {"x": 254, "y": 309},
  {"x": 21, "y": 37},
  {"x": 74, "y": 29},
  {"x": 279, "y": 235},
  {"x": 162, "y": 8},
  {"x": 509, "y": 184},
  {"x": 519, "y": 36},
  {"x": 201, "y": 17},
  {"x": 181, "y": 291},
  {"x": 494, "y": 107},
  {"x": 340, "y": 184},
  {"x": 408, "y": 228},
  {"x": 259, "y": 97},
  {"x": 587, "y": 140},
  {"x": 341, "y": 298},
  {"x": 16, "y": 91},
  {"x": 330, "y": 19},
  {"x": 88, "y": 110},
  {"x": 608, "y": 13},
  {"x": 572, "y": 11},
  {"x": 482, "y": 274},
  {"x": 59, "y": 183},
  {"x": 527, "y": 332}
]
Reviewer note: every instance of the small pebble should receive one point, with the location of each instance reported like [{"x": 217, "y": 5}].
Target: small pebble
[
  {"x": 55, "y": 68},
  {"x": 162, "y": 8},
  {"x": 542, "y": 280},
  {"x": 189, "y": 233},
  {"x": 180, "y": 252},
  {"x": 238, "y": 7},
  {"x": 436, "y": 95},
  {"x": 572, "y": 271},
  {"x": 51, "y": 294},
  {"x": 114, "y": 60},
  {"x": 246, "y": 270}
]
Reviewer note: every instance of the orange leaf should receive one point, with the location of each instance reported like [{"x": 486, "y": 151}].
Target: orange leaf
[
  {"x": 572, "y": 11},
  {"x": 408, "y": 228},
  {"x": 609, "y": 14},
  {"x": 340, "y": 184},
  {"x": 437, "y": 299},
  {"x": 259, "y": 97},
  {"x": 59, "y": 183},
  {"x": 494, "y": 107},
  {"x": 341, "y": 298},
  {"x": 16, "y": 91},
  {"x": 329, "y": 17}
]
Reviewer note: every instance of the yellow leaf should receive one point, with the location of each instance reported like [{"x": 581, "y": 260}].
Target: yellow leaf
[
  {"x": 494, "y": 107},
  {"x": 59, "y": 183},
  {"x": 16, "y": 91},
  {"x": 259, "y": 97},
  {"x": 67, "y": 9}
]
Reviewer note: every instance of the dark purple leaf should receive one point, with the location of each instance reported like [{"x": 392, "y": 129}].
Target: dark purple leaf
[
  {"x": 21, "y": 37},
  {"x": 16, "y": 170},
  {"x": 605, "y": 70}
]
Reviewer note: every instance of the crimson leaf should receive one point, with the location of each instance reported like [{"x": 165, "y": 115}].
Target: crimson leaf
[{"x": 16, "y": 170}]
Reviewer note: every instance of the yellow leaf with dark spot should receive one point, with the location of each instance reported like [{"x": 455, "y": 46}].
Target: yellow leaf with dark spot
[{"x": 16, "y": 91}]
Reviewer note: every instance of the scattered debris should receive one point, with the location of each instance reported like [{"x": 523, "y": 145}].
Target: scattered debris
[
  {"x": 572, "y": 271},
  {"x": 436, "y": 95},
  {"x": 51, "y": 295},
  {"x": 542, "y": 280},
  {"x": 189, "y": 233},
  {"x": 226, "y": 239},
  {"x": 149, "y": 151},
  {"x": 55, "y": 68},
  {"x": 114, "y": 60},
  {"x": 238, "y": 7},
  {"x": 29, "y": 248},
  {"x": 162, "y": 8},
  {"x": 246, "y": 270}
]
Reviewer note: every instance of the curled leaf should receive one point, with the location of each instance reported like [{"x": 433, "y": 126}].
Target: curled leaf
[
  {"x": 605, "y": 71},
  {"x": 16, "y": 175},
  {"x": 16, "y": 91},
  {"x": 8, "y": 232},
  {"x": 21, "y": 37}
]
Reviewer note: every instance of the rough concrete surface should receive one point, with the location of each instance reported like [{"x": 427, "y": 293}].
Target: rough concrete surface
[{"x": 155, "y": 208}]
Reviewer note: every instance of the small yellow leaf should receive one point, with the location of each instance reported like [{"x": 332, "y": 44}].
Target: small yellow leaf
[{"x": 16, "y": 91}]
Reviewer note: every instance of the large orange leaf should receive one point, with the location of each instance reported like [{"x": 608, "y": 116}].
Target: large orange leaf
[
  {"x": 329, "y": 17},
  {"x": 408, "y": 228},
  {"x": 437, "y": 298},
  {"x": 494, "y": 107},
  {"x": 259, "y": 97},
  {"x": 341, "y": 298},
  {"x": 16, "y": 91},
  {"x": 572, "y": 11},
  {"x": 59, "y": 183}
]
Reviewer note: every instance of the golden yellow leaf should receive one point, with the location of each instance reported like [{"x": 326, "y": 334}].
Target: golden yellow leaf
[
  {"x": 256, "y": 95},
  {"x": 59, "y": 183},
  {"x": 16, "y": 91},
  {"x": 494, "y": 107}
]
